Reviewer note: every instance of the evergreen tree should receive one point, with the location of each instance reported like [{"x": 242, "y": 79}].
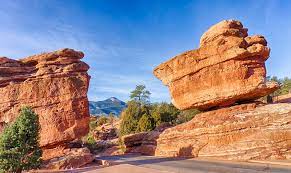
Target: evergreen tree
[
  {"x": 19, "y": 146},
  {"x": 164, "y": 112},
  {"x": 129, "y": 118},
  {"x": 145, "y": 123},
  {"x": 140, "y": 94},
  {"x": 285, "y": 85},
  {"x": 186, "y": 115}
]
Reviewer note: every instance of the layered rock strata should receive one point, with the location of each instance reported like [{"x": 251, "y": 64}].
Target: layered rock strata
[
  {"x": 243, "y": 132},
  {"x": 240, "y": 132},
  {"x": 55, "y": 86},
  {"x": 228, "y": 67}
]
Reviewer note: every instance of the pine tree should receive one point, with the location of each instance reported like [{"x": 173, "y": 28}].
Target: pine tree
[
  {"x": 130, "y": 117},
  {"x": 140, "y": 94},
  {"x": 145, "y": 123},
  {"x": 19, "y": 146}
]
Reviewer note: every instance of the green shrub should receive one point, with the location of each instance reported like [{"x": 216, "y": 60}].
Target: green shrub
[
  {"x": 186, "y": 115},
  {"x": 145, "y": 123},
  {"x": 90, "y": 142},
  {"x": 19, "y": 146},
  {"x": 102, "y": 120},
  {"x": 93, "y": 124},
  {"x": 140, "y": 115},
  {"x": 164, "y": 112},
  {"x": 284, "y": 83},
  {"x": 140, "y": 94},
  {"x": 129, "y": 118}
]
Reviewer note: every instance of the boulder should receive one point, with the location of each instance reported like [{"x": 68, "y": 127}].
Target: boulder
[
  {"x": 144, "y": 142},
  {"x": 133, "y": 140},
  {"x": 228, "y": 67},
  {"x": 55, "y": 86},
  {"x": 242, "y": 132},
  {"x": 73, "y": 158}
]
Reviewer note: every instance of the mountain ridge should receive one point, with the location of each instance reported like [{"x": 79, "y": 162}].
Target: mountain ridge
[{"x": 107, "y": 106}]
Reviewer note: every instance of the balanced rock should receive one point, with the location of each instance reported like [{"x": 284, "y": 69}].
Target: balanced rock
[
  {"x": 241, "y": 132},
  {"x": 228, "y": 67},
  {"x": 55, "y": 86}
]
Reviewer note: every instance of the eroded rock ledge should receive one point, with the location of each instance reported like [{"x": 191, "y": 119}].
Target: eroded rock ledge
[
  {"x": 55, "y": 85},
  {"x": 240, "y": 132}
]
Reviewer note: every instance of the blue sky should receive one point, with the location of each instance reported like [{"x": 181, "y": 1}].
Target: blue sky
[{"x": 123, "y": 40}]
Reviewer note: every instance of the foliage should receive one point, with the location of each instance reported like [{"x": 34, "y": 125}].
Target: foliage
[
  {"x": 102, "y": 120},
  {"x": 140, "y": 94},
  {"x": 140, "y": 115},
  {"x": 93, "y": 123},
  {"x": 130, "y": 117},
  {"x": 164, "y": 112},
  {"x": 89, "y": 141},
  {"x": 186, "y": 115},
  {"x": 140, "y": 118},
  {"x": 145, "y": 123},
  {"x": 285, "y": 87},
  {"x": 91, "y": 144},
  {"x": 19, "y": 146}
]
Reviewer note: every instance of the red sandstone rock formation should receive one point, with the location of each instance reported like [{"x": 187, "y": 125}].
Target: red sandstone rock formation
[
  {"x": 228, "y": 67},
  {"x": 240, "y": 132},
  {"x": 144, "y": 142},
  {"x": 73, "y": 158},
  {"x": 55, "y": 85}
]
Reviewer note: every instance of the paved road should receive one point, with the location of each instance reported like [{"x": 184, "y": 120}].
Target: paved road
[{"x": 182, "y": 165}]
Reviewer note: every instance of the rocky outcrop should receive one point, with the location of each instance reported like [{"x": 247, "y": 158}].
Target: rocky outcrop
[
  {"x": 228, "y": 67},
  {"x": 240, "y": 132},
  {"x": 107, "y": 131},
  {"x": 243, "y": 132},
  {"x": 144, "y": 142},
  {"x": 227, "y": 70},
  {"x": 73, "y": 158},
  {"x": 55, "y": 85}
]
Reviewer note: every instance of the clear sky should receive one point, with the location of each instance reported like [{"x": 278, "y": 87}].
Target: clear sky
[{"x": 123, "y": 40}]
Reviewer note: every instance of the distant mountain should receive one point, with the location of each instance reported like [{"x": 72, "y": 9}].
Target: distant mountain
[{"x": 107, "y": 106}]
